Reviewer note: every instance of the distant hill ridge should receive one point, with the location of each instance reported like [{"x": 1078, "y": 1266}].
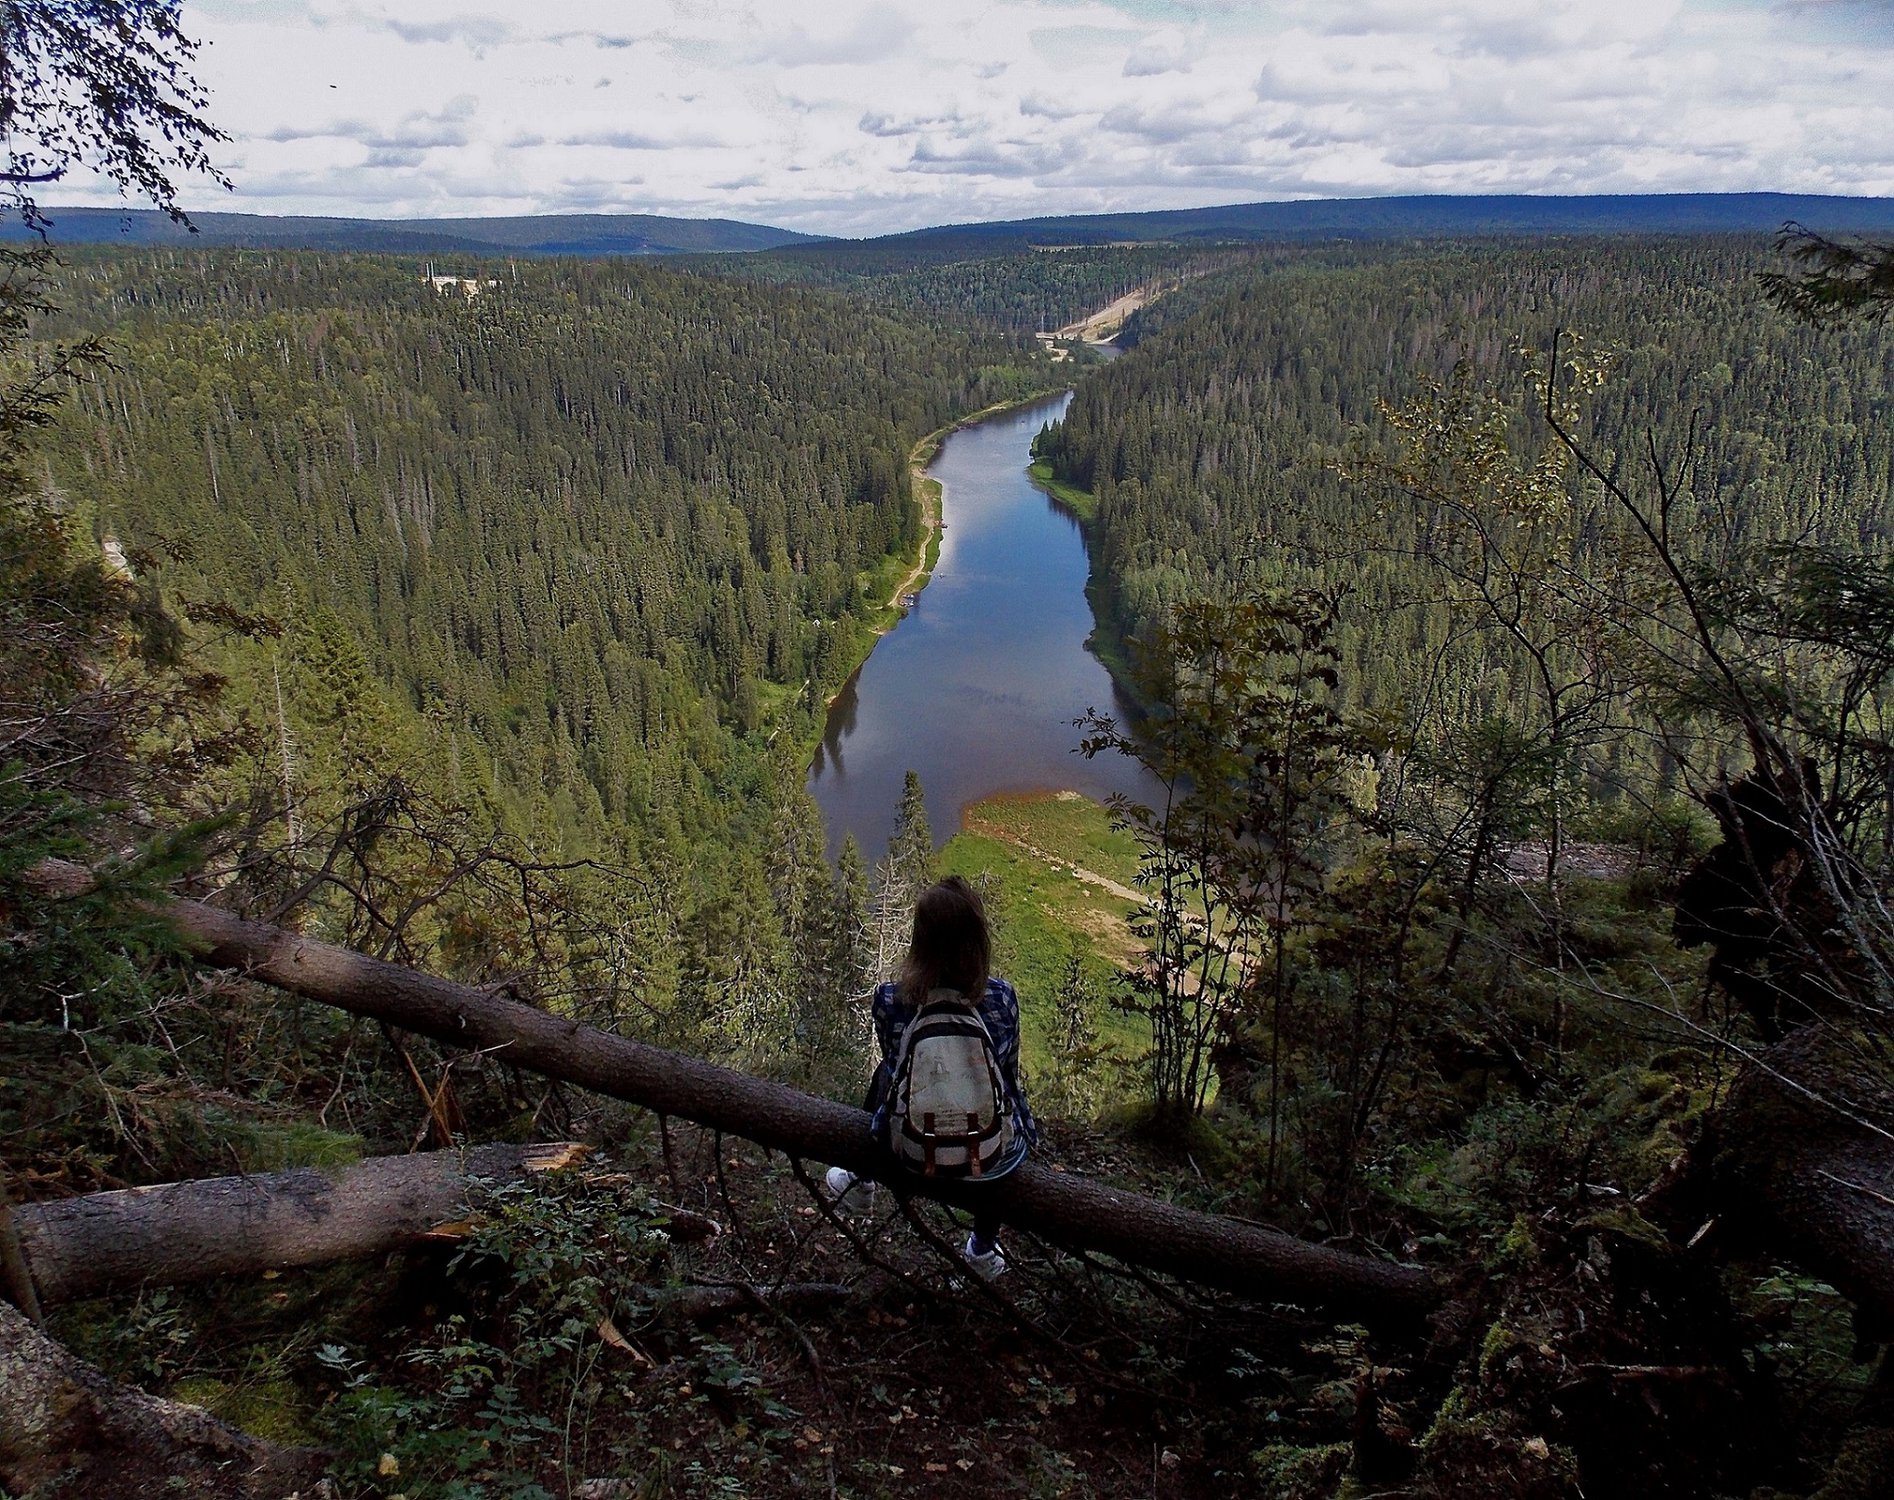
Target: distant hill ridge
[
  {"x": 1517, "y": 213},
  {"x": 535, "y": 234},
  {"x": 1329, "y": 218}
]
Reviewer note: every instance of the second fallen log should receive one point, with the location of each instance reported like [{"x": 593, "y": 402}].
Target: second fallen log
[{"x": 230, "y": 1226}]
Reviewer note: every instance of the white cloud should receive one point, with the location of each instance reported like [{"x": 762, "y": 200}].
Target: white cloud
[
  {"x": 876, "y": 34},
  {"x": 1164, "y": 52},
  {"x": 861, "y": 116},
  {"x": 1847, "y": 22},
  {"x": 471, "y": 31}
]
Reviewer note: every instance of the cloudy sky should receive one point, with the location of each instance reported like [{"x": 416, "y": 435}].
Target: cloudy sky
[{"x": 865, "y": 116}]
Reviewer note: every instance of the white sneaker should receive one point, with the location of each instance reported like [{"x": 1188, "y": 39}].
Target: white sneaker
[
  {"x": 987, "y": 1265},
  {"x": 851, "y": 1194}
]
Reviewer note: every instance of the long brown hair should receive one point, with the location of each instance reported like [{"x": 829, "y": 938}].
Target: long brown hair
[{"x": 951, "y": 947}]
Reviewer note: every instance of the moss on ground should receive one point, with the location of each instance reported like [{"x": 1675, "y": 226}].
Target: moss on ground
[{"x": 271, "y": 1409}]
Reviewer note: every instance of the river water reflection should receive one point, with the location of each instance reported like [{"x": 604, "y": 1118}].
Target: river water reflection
[{"x": 977, "y": 689}]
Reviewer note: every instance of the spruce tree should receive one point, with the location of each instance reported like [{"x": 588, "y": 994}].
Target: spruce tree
[
  {"x": 834, "y": 983},
  {"x": 853, "y": 952},
  {"x": 911, "y": 846},
  {"x": 1076, "y": 1051},
  {"x": 904, "y": 874}
]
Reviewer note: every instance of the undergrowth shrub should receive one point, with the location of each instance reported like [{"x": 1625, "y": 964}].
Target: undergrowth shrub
[{"x": 506, "y": 1385}]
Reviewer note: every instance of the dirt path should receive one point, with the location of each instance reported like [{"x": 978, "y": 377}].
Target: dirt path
[
  {"x": 930, "y": 524},
  {"x": 1079, "y": 872}
]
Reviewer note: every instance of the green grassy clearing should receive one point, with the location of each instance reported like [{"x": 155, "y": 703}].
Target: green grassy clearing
[
  {"x": 1082, "y": 503},
  {"x": 1065, "y": 825},
  {"x": 1043, "y": 913},
  {"x": 930, "y": 498}
]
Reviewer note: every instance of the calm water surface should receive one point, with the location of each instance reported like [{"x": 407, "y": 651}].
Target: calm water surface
[{"x": 977, "y": 689}]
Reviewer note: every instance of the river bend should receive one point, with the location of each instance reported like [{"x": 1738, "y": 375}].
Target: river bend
[{"x": 977, "y": 689}]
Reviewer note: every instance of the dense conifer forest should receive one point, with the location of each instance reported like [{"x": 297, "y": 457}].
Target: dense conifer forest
[
  {"x": 1223, "y": 448},
  {"x": 592, "y": 520},
  {"x": 1037, "y": 290}
]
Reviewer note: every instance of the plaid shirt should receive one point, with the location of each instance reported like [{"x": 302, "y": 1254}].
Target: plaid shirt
[{"x": 999, "y": 1010}]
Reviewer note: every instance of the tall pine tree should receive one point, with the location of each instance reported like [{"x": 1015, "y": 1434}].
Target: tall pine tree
[{"x": 904, "y": 874}]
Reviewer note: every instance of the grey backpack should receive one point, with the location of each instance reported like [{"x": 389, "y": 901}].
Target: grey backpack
[{"x": 947, "y": 1113}]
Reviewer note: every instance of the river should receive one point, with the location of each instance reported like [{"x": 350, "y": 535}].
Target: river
[{"x": 977, "y": 689}]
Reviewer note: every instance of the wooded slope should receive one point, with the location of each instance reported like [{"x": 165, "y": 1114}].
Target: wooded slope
[
  {"x": 587, "y": 525},
  {"x": 1214, "y": 447}
]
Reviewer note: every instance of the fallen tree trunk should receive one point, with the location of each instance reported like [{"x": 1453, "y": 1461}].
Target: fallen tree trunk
[
  {"x": 704, "y": 1304},
  {"x": 66, "y": 1430},
  {"x": 1804, "y": 1164},
  {"x": 228, "y": 1226},
  {"x": 1203, "y": 1248}
]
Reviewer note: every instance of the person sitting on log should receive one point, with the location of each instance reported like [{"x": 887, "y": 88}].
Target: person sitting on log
[{"x": 946, "y": 1097}]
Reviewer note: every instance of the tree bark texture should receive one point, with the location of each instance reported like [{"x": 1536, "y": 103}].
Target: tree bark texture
[
  {"x": 228, "y": 1226},
  {"x": 1203, "y": 1248},
  {"x": 1813, "y": 1178},
  {"x": 16, "y": 1282},
  {"x": 68, "y": 1433}
]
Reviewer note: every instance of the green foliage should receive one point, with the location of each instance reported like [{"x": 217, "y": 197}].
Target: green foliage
[
  {"x": 1260, "y": 771},
  {"x": 478, "y": 1408},
  {"x": 1806, "y": 1335},
  {"x": 573, "y": 532},
  {"x": 907, "y": 869},
  {"x": 911, "y": 844},
  {"x": 1214, "y": 446},
  {"x": 268, "y": 1408},
  {"x": 1511, "y": 1153},
  {"x": 87, "y": 671},
  {"x": 1807, "y": 635},
  {"x": 153, "y": 1336},
  {"x": 1285, "y": 1471},
  {"x": 1619, "y": 1129},
  {"x": 88, "y": 957},
  {"x": 278, "y": 1145},
  {"x": 107, "y": 732},
  {"x": 1075, "y": 1083},
  {"x": 1534, "y": 581},
  {"x": 831, "y": 1041},
  {"x": 1834, "y": 281},
  {"x": 1486, "y": 1454}
]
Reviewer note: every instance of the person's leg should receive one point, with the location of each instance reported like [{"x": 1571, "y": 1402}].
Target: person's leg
[
  {"x": 986, "y": 1230},
  {"x": 983, "y": 1255},
  {"x": 840, "y": 1179}
]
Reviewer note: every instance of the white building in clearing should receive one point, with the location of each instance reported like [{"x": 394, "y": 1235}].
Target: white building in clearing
[{"x": 473, "y": 286}]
